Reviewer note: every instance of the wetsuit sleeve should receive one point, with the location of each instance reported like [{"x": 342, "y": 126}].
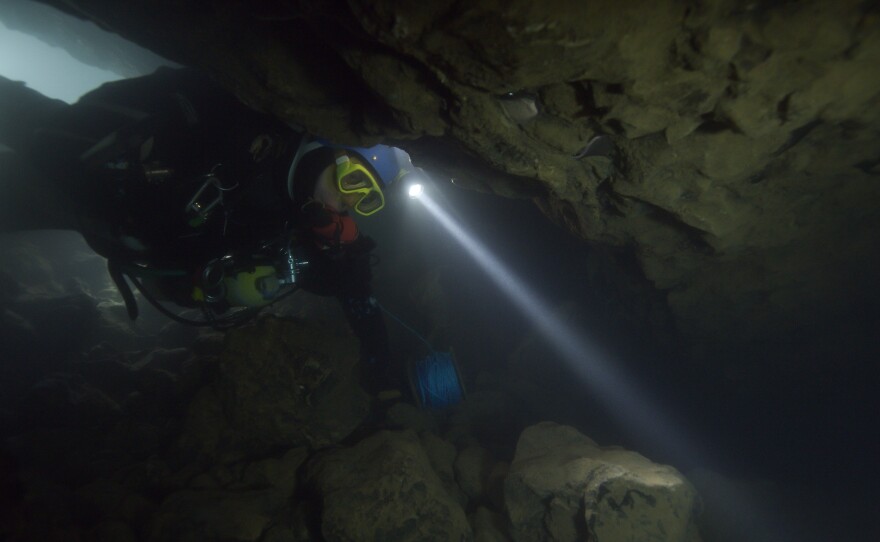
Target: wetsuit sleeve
[
  {"x": 343, "y": 268},
  {"x": 365, "y": 317},
  {"x": 368, "y": 324}
]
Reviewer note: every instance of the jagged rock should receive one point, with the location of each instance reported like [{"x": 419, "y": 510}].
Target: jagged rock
[
  {"x": 442, "y": 454},
  {"x": 17, "y": 334},
  {"x": 70, "y": 320},
  {"x": 149, "y": 476},
  {"x": 220, "y": 476},
  {"x": 637, "y": 499},
  {"x": 175, "y": 335},
  {"x": 563, "y": 486},
  {"x": 279, "y": 473},
  {"x": 112, "y": 531},
  {"x": 472, "y": 467},
  {"x": 279, "y": 385},
  {"x": 110, "y": 500},
  {"x": 110, "y": 373},
  {"x": 488, "y": 526},
  {"x": 164, "y": 359},
  {"x": 215, "y": 515},
  {"x": 53, "y": 506},
  {"x": 204, "y": 425},
  {"x": 165, "y": 375},
  {"x": 384, "y": 488},
  {"x": 495, "y": 485},
  {"x": 407, "y": 416},
  {"x": 30, "y": 265},
  {"x": 64, "y": 453},
  {"x": 208, "y": 343},
  {"x": 23, "y": 108},
  {"x": 115, "y": 328},
  {"x": 280, "y": 533},
  {"x": 67, "y": 400}
]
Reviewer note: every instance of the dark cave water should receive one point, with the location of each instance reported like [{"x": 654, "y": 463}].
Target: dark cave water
[
  {"x": 813, "y": 440},
  {"x": 813, "y": 436}
]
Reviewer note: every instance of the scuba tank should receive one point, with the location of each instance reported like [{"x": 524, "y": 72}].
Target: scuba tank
[
  {"x": 252, "y": 283},
  {"x": 244, "y": 286},
  {"x": 169, "y": 172}
]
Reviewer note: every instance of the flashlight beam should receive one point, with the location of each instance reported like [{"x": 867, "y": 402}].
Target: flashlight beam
[{"x": 622, "y": 398}]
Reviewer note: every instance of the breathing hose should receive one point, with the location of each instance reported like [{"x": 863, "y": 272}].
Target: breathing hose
[{"x": 225, "y": 322}]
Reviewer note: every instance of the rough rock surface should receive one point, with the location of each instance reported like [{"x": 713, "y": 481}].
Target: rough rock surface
[
  {"x": 564, "y": 487},
  {"x": 488, "y": 526},
  {"x": 236, "y": 437},
  {"x": 384, "y": 488},
  {"x": 279, "y": 385},
  {"x": 746, "y": 136},
  {"x": 472, "y": 467},
  {"x": 216, "y": 515}
]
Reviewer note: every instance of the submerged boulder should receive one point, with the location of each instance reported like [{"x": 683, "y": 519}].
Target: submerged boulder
[
  {"x": 216, "y": 515},
  {"x": 563, "y": 487},
  {"x": 112, "y": 501},
  {"x": 385, "y": 488},
  {"x": 279, "y": 384}
]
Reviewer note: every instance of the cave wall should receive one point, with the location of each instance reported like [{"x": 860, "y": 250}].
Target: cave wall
[{"x": 745, "y": 162}]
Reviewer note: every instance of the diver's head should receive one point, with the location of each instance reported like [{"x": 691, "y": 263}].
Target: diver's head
[{"x": 363, "y": 175}]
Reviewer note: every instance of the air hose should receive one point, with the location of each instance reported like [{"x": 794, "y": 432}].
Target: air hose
[{"x": 225, "y": 322}]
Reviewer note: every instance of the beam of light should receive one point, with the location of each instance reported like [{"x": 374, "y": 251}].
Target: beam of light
[
  {"x": 623, "y": 399},
  {"x": 586, "y": 359}
]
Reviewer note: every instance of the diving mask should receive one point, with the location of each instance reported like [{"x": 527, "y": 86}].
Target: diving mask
[{"x": 354, "y": 178}]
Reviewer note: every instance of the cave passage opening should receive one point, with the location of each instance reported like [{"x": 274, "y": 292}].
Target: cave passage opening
[{"x": 51, "y": 71}]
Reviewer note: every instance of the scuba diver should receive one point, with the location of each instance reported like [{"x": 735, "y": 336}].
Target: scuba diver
[{"x": 201, "y": 202}]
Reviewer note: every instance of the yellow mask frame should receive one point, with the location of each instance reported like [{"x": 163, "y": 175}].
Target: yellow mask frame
[{"x": 352, "y": 178}]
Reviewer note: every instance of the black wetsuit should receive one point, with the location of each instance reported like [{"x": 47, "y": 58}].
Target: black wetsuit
[{"x": 130, "y": 156}]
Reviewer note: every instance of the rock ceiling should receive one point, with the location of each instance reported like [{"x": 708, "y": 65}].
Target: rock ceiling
[{"x": 746, "y": 153}]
